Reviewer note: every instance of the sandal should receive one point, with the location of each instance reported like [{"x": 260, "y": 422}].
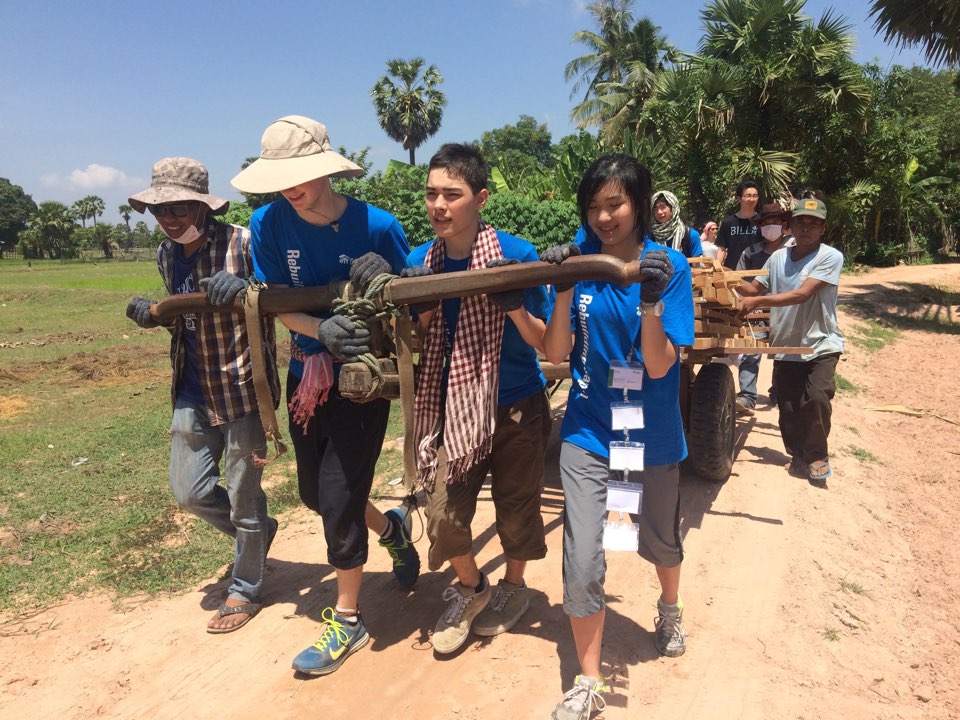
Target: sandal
[
  {"x": 250, "y": 609},
  {"x": 820, "y": 471}
]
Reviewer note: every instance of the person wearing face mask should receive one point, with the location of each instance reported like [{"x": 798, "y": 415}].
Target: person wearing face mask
[
  {"x": 669, "y": 229},
  {"x": 215, "y": 411},
  {"x": 772, "y": 221}
]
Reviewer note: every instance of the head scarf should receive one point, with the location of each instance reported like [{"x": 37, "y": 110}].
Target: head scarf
[{"x": 671, "y": 232}]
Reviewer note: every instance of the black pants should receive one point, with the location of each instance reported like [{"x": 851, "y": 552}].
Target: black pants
[
  {"x": 804, "y": 391},
  {"x": 336, "y": 460}
]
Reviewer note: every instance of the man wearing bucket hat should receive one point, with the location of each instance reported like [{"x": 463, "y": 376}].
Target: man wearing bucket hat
[
  {"x": 802, "y": 283},
  {"x": 771, "y": 221},
  {"x": 215, "y": 412},
  {"x": 314, "y": 236}
]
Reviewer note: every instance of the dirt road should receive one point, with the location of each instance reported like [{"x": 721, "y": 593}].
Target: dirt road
[{"x": 800, "y": 602}]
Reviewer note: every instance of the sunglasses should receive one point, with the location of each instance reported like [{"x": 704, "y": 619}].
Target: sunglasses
[{"x": 178, "y": 210}]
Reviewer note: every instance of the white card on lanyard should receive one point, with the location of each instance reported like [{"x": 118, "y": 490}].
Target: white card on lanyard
[
  {"x": 619, "y": 535},
  {"x": 626, "y": 374},
  {"x": 626, "y": 455},
  {"x": 626, "y": 416},
  {"x": 625, "y": 497}
]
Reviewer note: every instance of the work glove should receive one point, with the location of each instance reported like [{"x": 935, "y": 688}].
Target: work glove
[
  {"x": 138, "y": 310},
  {"x": 655, "y": 272},
  {"x": 557, "y": 255},
  {"x": 510, "y": 299},
  {"x": 366, "y": 268},
  {"x": 222, "y": 288},
  {"x": 343, "y": 338},
  {"x": 419, "y": 271}
]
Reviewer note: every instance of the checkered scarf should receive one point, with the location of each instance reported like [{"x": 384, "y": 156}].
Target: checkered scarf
[{"x": 468, "y": 425}]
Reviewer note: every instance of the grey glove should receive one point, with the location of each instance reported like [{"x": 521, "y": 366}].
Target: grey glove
[
  {"x": 222, "y": 288},
  {"x": 655, "y": 272},
  {"x": 419, "y": 271},
  {"x": 343, "y": 338},
  {"x": 365, "y": 269},
  {"x": 138, "y": 310},
  {"x": 557, "y": 255},
  {"x": 510, "y": 299}
]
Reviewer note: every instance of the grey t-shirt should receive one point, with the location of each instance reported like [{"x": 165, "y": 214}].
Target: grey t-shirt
[{"x": 811, "y": 324}]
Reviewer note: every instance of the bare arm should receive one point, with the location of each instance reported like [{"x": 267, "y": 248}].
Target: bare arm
[
  {"x": 807, "y": 290},
  {"x": 751, "y": 288},
  {"x": 659, "y": 354},
  {"x": 721, "y": 254},
  {"x": 301, "y": 323},
  {"x": 558, "y": 338}
]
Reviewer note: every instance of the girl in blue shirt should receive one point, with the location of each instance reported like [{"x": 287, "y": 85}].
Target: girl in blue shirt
[{"x": 606, "y": 323}]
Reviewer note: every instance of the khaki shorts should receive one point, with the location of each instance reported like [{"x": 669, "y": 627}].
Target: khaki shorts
[{"x": 516, "y": 483}]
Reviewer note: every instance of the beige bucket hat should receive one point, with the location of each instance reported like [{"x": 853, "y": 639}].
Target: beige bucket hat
[
  {"x": 178, "y": 179},
  {"x": 293, "y": 150}
]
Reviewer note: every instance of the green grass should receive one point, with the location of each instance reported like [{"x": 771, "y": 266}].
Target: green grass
[
  {"x": 845, "y": 386},
  {"x": 864, "y": 456},
  {"x": 830, "y": 634},
  {"x": 79, "y": 380},
  {"x": 872, "y": 336},
  {"x": 854, "y": 588}
]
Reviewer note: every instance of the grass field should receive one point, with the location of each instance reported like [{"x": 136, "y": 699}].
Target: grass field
[{"x": 84, "y": 444}]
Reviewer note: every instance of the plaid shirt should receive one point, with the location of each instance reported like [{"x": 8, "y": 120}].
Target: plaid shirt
[{"x": 223, "y": 351}]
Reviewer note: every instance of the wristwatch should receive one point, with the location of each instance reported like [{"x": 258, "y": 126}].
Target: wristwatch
[{"x": 652, "y": 309}]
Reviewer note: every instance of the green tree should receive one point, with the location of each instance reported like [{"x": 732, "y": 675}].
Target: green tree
[
  {"x": 126, "y": 212},
  {"x": 932, "y": 24},
  {"x": 526, "y": 142},
  {"x": 81, "y": 210},
  {"x": 238, "y": 214},
  {"x": 96, "y": 206},
  {"x": 409, "y": 102},
  {"x": 50, "y": 232},
  {"x": 16, "y": 208}
]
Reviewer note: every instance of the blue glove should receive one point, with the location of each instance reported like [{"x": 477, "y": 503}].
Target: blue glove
[
  {"x": 655, "y": 272},
  {"x": 509, "y": 299},
  {"x": 222, "y": 288},
  {"x": 366, "y": 268},
  {"x": 557, "y": 255},
  {"x": 138, "y": 310},
  {"x": 343, "y": 338},
  {"x": 419, "y": 271}
]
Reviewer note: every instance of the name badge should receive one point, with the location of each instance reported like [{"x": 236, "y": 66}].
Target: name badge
[
  {"x": 626, "y": 416},
  {"x": 624, "y": 497},
  {"x": 626, "y": 375},
  {"x": 619, "y": 535},
  {"x": 626, "y": 455}
]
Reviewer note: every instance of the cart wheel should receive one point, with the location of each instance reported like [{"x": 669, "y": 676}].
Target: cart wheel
[{"x": 713, "y": 423}]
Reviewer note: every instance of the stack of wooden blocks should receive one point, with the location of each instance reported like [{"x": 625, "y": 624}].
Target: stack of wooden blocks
[{"x": 716, "y": 308}]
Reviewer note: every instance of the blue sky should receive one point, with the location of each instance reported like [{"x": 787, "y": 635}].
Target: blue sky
[{"x": 93, "y": 93}]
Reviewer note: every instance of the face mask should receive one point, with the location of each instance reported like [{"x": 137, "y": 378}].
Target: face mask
[
  {"x": 191, "y": 234},
  {"x": 771, "y": 232}
]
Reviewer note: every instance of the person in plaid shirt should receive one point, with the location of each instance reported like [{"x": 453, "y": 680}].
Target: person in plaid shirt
[{"x": 215, "y": 412}]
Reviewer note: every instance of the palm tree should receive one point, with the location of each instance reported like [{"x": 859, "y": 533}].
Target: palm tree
[
  {"x": 410, "y": 109},
  {"x": 82, "y": 210},
  {"x": 51, "y": 227},
  {"x": 933, "y": 24},
  {"x": 96, "y": 207},
  {"x": 618, "y": 75},
  {"x": 126, "y": 212}
]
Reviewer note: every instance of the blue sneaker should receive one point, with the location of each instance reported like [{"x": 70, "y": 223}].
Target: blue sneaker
[
  {"x": 339, "y": 641},
  {"x": 406, "y": 559}
]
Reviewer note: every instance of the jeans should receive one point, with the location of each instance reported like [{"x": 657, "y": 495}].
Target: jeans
[
  {"x": 240, "y": 510},
  {"x": 749, "y": 369}
]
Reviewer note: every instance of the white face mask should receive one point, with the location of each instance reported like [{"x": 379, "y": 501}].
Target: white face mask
[
  {"x": 771, "y": 232},
  {"x": 191, "y": 234}
]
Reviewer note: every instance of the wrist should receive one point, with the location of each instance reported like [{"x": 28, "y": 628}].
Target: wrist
[{"x": 652, "y": 309}]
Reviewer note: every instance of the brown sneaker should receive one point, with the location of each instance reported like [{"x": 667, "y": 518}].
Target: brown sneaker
[
  {"x": 453, "y": 627},
  {"x": 507, "y": 606},
  {"x": 744, "y": 407}
]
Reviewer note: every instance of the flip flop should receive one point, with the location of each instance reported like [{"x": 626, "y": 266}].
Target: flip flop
[
  {"x": 820, "y": 471},
  {"x": 250, "y": 609}
]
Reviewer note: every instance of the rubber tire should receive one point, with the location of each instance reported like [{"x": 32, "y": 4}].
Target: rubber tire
[{"x": 713, "y": 423}]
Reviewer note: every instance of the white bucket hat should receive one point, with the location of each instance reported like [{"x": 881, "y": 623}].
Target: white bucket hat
[
  {"x": 293, "y": 150},
  {"x": 178, "y": 179}
]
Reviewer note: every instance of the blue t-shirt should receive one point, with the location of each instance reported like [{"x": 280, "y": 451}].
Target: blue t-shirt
[
  {"x": 188, "y": 387},
  {"x": 584, "y": 235},
  {"x": 520, "y": 374},
  {"x": 288, "y": 250},
  {"x": 605, "y": 318}
]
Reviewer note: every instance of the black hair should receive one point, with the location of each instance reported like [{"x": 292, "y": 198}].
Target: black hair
[
  {"x": 625, "y": 172},
  {"x": 464, "y": 162},
  {"x": 742, "y": 187}
]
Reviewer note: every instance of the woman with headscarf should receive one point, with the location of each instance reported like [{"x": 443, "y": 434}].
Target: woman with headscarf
[
  {"x": 669, "y": 229},
  {"x": 708, "y": 239}
]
